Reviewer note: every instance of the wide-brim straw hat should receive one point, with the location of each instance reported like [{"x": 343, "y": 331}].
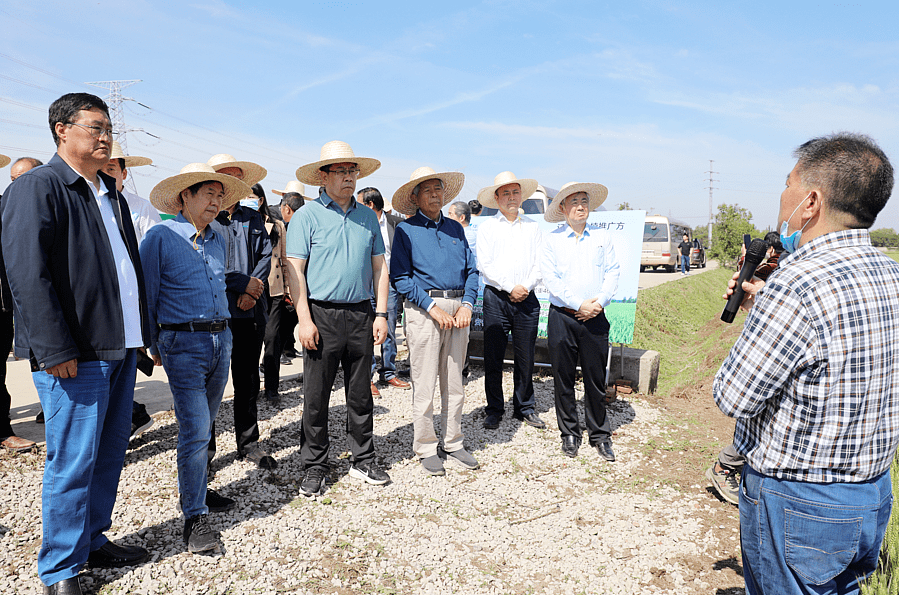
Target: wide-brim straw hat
[
  {"x": 452, "y": 185},
  {"x": 130, "y": 160},
  {"x": 596, "y": 194},
  {"x": 4, "y": 160},
  {"x": 164, "y": 195},
  {"x": 253, "y": 173},
  {"x": 336, "y": 152},
  {"x": 293, "y": 187},
  {"x": 486, "y": 195}
]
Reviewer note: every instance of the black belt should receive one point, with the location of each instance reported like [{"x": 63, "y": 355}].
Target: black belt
[
  {"x": 215, "y": 326},
  {"x": 446, "y": 293}
]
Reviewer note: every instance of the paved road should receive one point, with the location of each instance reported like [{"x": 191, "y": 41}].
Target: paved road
[{"x": 653, "y": 278}]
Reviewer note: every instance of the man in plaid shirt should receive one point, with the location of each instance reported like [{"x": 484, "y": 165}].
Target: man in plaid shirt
[{"x": 813, "y": 380}]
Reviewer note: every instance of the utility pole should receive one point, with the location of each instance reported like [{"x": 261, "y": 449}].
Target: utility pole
[
  {"x": 114, "y": 101},
  {"x": 710, "y": 172}
]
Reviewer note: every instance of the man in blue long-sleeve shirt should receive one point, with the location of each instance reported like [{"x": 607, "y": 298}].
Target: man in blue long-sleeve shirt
[
  {"x": 185, "y": 263},
  {"x": 433, "y": 266}
]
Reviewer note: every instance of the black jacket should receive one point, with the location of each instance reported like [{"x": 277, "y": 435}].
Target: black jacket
[
  {"x": 61, "y": 268},
  {"x": 248, "y": 253}
]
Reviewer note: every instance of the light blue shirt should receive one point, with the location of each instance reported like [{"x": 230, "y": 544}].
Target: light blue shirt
[
  {"x": 578, "y": 268},
  {"x": 337, "y": 247},
  {"x": 184, "y": 274}
]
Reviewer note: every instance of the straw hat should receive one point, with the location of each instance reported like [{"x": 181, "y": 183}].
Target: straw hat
[
  {"x": 164, "y": 195},
  {"x": 402, "y": 198},
  {"x": 293, "y": 186},
  {"x": 336, "y": 152},
  {"x": 252, "y": 173},
  {"x": 596, "y": 194},
  {"x": 4, "y": 160},
  {"x": 117, "y": 153},
  {"x": 486, "y": 195}
]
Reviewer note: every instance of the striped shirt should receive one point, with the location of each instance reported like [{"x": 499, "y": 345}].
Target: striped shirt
[{"x": 813, "y": 379}]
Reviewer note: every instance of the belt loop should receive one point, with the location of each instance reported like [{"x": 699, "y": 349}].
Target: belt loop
[{"x": 191, "y": 325}]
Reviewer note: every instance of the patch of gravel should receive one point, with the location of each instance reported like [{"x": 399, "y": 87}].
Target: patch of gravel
[{"x": 530, "y": 520}]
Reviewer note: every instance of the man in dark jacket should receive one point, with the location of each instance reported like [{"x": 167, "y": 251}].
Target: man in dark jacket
[
  {"x": 248, "y": 262},
  {"x": 81, "y": 314}
]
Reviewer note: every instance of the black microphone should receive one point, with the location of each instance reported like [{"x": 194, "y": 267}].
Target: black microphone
[{"x": 755, "y": 254}]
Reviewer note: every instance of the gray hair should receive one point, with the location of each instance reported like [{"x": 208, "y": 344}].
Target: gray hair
[
  {"x": 415, "y": 190},
  {"x": 461, "y": 209},
  {"x": 853, "y": 172}
]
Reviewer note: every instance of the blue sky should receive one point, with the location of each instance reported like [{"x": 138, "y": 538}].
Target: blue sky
[{"x": 638, "y": 96}]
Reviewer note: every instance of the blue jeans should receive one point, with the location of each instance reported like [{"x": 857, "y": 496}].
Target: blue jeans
[
  {"x": 388, "y": 347},
  {"x": 800, "y": 537},
  {"x": 88, "y": 423},
  {"x": 684, "y": 264},
  {"x": 197, "y": 367}
]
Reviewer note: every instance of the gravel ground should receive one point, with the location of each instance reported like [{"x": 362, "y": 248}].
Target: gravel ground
[{"x": 530, "y": 520}]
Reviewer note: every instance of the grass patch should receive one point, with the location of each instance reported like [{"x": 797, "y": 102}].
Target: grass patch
[
  {"x": 681, "y": 320},
  {"x": 885, "y": 580}
]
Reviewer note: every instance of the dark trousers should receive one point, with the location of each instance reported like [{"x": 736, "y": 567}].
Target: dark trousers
[
  {"x": 274, "y": 341},
  {"x": 502, "y": 315},
  {"x": 245, "y": 351},
  {"x": 345, "y": 340},
  {"x": 568, "y": 340},
  {"x": 6, "y": 337}
]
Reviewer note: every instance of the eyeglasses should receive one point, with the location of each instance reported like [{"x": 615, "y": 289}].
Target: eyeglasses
[
  {"x": 343, "y": 172},
  {"x": 96, "y": 131}
]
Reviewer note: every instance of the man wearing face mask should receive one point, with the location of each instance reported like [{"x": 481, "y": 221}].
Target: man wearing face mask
[{"x": 812, "y": 380}]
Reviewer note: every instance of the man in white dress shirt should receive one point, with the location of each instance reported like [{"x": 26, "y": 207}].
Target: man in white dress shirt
[
  {"x": 507, "y": 251},
  {"x": 581, "y": 272}
]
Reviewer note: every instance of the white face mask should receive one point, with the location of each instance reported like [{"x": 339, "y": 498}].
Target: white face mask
[{"x": 253, "y": 203}]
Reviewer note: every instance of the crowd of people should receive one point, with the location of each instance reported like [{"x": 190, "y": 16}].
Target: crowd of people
[{"x": 97, "y": 285}]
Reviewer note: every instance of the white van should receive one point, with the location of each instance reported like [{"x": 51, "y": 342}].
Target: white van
[{"x": 661, "y": 237}]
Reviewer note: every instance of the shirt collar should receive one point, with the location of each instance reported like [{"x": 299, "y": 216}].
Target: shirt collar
[
  {"x": 500, "y": 217},
  {"x": 104, "y": 189},
  {"x": 829, "y": 241},
  {"x": 186, "y": 229},
  {"x": 572, "y": 234},
  {"x": 327, "y": 201},
  {"x": 428, "y": 221}
]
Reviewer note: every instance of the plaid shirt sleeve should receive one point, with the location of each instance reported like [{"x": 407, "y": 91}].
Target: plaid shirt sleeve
[{"x": 775, "y": 341}]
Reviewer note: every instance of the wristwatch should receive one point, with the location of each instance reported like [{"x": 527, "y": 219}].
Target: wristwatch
[{"x": 381, "y": 314}]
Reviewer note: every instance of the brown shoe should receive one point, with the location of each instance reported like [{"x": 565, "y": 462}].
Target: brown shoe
[
  {"x": 396, "y": 382},
  {"x": 374, "y": 390},
  {"x": 16, "y": 444}
]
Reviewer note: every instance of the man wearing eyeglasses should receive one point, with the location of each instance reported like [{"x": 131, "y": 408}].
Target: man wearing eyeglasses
[
  {"x": 336, "y": 249},
  {"x": 81, "y": 315}
]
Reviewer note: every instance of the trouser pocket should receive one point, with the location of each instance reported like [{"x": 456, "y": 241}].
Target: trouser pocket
[{"x": 819, "y": 548}]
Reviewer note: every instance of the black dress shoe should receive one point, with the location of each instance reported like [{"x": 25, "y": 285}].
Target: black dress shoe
[
  {"x": 261, "y": 458},
  {"x": 491, "y": 422},
  {"x": 111, "y": 555},
  {"x": 69, "y": 586},
  {"x": 604, "y": 449},
  {"x": 570, "y": 446},
  {"x": 531, "y": 419}
]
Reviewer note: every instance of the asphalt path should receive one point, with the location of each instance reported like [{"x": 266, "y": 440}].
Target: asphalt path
[{"x": 652, "y": 278}]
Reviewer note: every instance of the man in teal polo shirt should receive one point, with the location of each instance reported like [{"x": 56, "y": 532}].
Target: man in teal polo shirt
[{"x": 335, "y": 247}]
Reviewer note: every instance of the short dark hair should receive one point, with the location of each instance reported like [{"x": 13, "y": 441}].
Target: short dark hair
[
  {"x": 475, "y": 207},
  {"x": 121, "y": 163},
  {"x": 853, "y": 171},
  {"x": 34, "y": 162},
  {"x": 67, "y": 107},
  {"x": 462, "y": 209},
  {"x": 293, "y": 200},
  {"x": 372, "y": 197},
  {"x": 196, "y": 187},
  {"x": 773, "y": 240}
]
